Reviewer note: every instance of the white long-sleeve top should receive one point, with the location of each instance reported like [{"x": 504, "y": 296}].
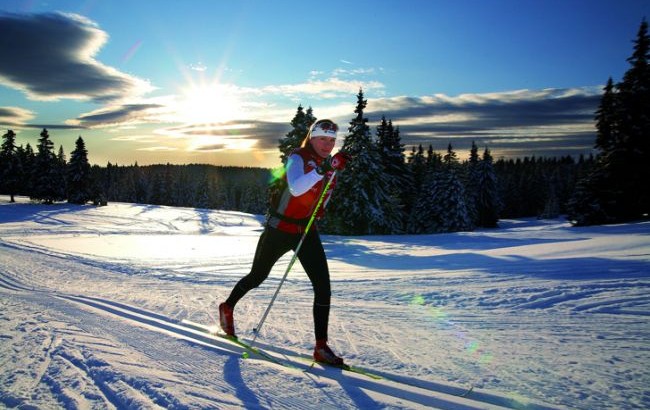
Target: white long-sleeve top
[{"x": 298, "y": 181}]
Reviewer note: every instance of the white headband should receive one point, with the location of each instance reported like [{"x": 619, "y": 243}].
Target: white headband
[{"x": 324, "y": 128}]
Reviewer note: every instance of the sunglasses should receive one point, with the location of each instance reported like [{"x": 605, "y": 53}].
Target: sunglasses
[{"x": 326, "y": 125}]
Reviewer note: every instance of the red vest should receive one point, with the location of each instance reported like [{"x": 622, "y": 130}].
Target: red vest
[{"x": 291, "y": 213}]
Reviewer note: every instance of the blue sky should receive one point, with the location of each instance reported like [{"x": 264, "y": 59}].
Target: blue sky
[{"x": 219, "y": 81}]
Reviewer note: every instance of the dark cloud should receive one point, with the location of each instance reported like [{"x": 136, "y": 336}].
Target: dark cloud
[
  {"x": 52, "y": 126},
  {"x": 51, "y": 56},
  {"x": 119, "y": 115},
  {"x": 550, "y": 122}
]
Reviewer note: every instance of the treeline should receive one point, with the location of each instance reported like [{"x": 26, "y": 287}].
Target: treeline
[
  {"x": 538, "y": 186},
  {"x": 195, "y": 185},
  {"x": 44, "y": 175},
  {"x": 522, "y": 187},
  {"x": 48, "y": 177}
]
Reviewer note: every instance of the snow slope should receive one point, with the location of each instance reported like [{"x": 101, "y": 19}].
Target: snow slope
[{"x": 534, "y": 315}]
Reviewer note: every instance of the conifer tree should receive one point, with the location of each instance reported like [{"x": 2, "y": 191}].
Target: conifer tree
[
  {"x": 361, "y": 203},
  {"x": 60, "y": 170},
  {"x": 300, "y": 124},
  {"x": 300, "y": 127},
  {"x": 440, "y": 204},
  {"x": 26, "y": 158},
  {"x": 44, "y": 174},
  {"x": 204, "y": 195},
  {"x": 396, "y": 174},
  {"x": 78, "y": 174},
  {"x": 607, "y": 120},
  {"x": 10, "y": 166},
  {"x": 634, "y": 114},
  {"x": 417, "y": 168},
  {"x": 448, "y": 196},
  {"x": 616, "y": 188},
  {"x": 487, "y": 201},
  {"x": 472, "y": 184},
  {"x": 141, "y": 184}
]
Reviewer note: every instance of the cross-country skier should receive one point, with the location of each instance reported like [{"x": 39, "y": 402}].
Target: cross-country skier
[{"x": 307, "y": 170}]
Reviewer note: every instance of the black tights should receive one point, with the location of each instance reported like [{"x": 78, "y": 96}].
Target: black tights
[{"x": 271, "y": 246}]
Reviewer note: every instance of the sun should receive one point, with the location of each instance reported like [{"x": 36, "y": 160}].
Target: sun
[{"x": 209, "y": 103}]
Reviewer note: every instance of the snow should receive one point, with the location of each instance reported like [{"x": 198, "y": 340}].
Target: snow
[{"x": 534, "y": 315}]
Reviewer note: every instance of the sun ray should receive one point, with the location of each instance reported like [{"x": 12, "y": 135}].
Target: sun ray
[{"x": 209, "y": 103}]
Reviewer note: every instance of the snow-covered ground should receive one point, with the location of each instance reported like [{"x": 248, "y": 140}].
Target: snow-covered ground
[{"x": 536, "y": 314}]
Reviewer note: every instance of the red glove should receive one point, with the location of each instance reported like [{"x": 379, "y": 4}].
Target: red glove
[{"x": 339, "y": 160}]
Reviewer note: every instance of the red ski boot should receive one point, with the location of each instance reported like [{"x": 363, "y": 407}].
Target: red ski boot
[
  {"x": 226, "y": 320},
  {"x": 323, "y": 354}
]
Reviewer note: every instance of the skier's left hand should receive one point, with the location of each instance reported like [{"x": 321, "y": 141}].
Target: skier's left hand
[
  {"x": 339, "y": 160},
  {"x": 329, "y": 164}
]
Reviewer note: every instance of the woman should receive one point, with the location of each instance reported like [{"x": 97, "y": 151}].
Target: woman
[{"x": 307, "y": 171}]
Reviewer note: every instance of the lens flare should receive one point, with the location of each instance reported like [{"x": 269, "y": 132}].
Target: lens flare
[
  {"x": 418, "y": 300},
  {"x": 276, "y": 174},
  {"x": 440, "y": 316},
  {"x": 131, "y": 52}
]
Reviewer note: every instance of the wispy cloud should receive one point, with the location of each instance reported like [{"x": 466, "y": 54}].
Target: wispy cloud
[
  {"x": 15, "y": 116},
  {"x": 53, "y": 57},
  {"x": 328, "y": 89},
  {"x": 200, "y": 67},
  {"x": 354, "y": 72}
]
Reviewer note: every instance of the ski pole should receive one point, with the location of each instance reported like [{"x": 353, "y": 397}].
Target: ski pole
[{"x": 293, "y": 258}]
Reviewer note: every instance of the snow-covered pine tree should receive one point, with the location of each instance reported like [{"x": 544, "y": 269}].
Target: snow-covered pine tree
[
  {"x": 141, "y": 184},
  {"x": 60, "y": 175},
  {"x": 488, "y": 203},
  {"x": 448, "y": 196},
  {"x": 78, "y": 174},
  {"x": 607, "y": 121},
  {"x": 416, "y": 165},
  {"x": 440, "y": 206},
  {"x": 44, "y": 175},
  {"x": 27, "y": 159},
  {"x": 128, "y": 187},
  {"x": 552, "y": 202},
  {"x": 183, "y": 189},
  {"x": 634, "y": 112},
  {"x": 300, "y": 127},
  {"x": 361, "y": 204},
  {"x": 204, "y": 195},
  {"x": 397, "y": 175},
  {"x": 157, "y": 193},
  {"x": 472, "y": 184},
  {"x": 10, "y": 166},
  {"x": 615, "y": 189}
]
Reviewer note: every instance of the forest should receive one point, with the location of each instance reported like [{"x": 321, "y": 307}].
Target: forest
[{"x": 537, "y": 187}]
